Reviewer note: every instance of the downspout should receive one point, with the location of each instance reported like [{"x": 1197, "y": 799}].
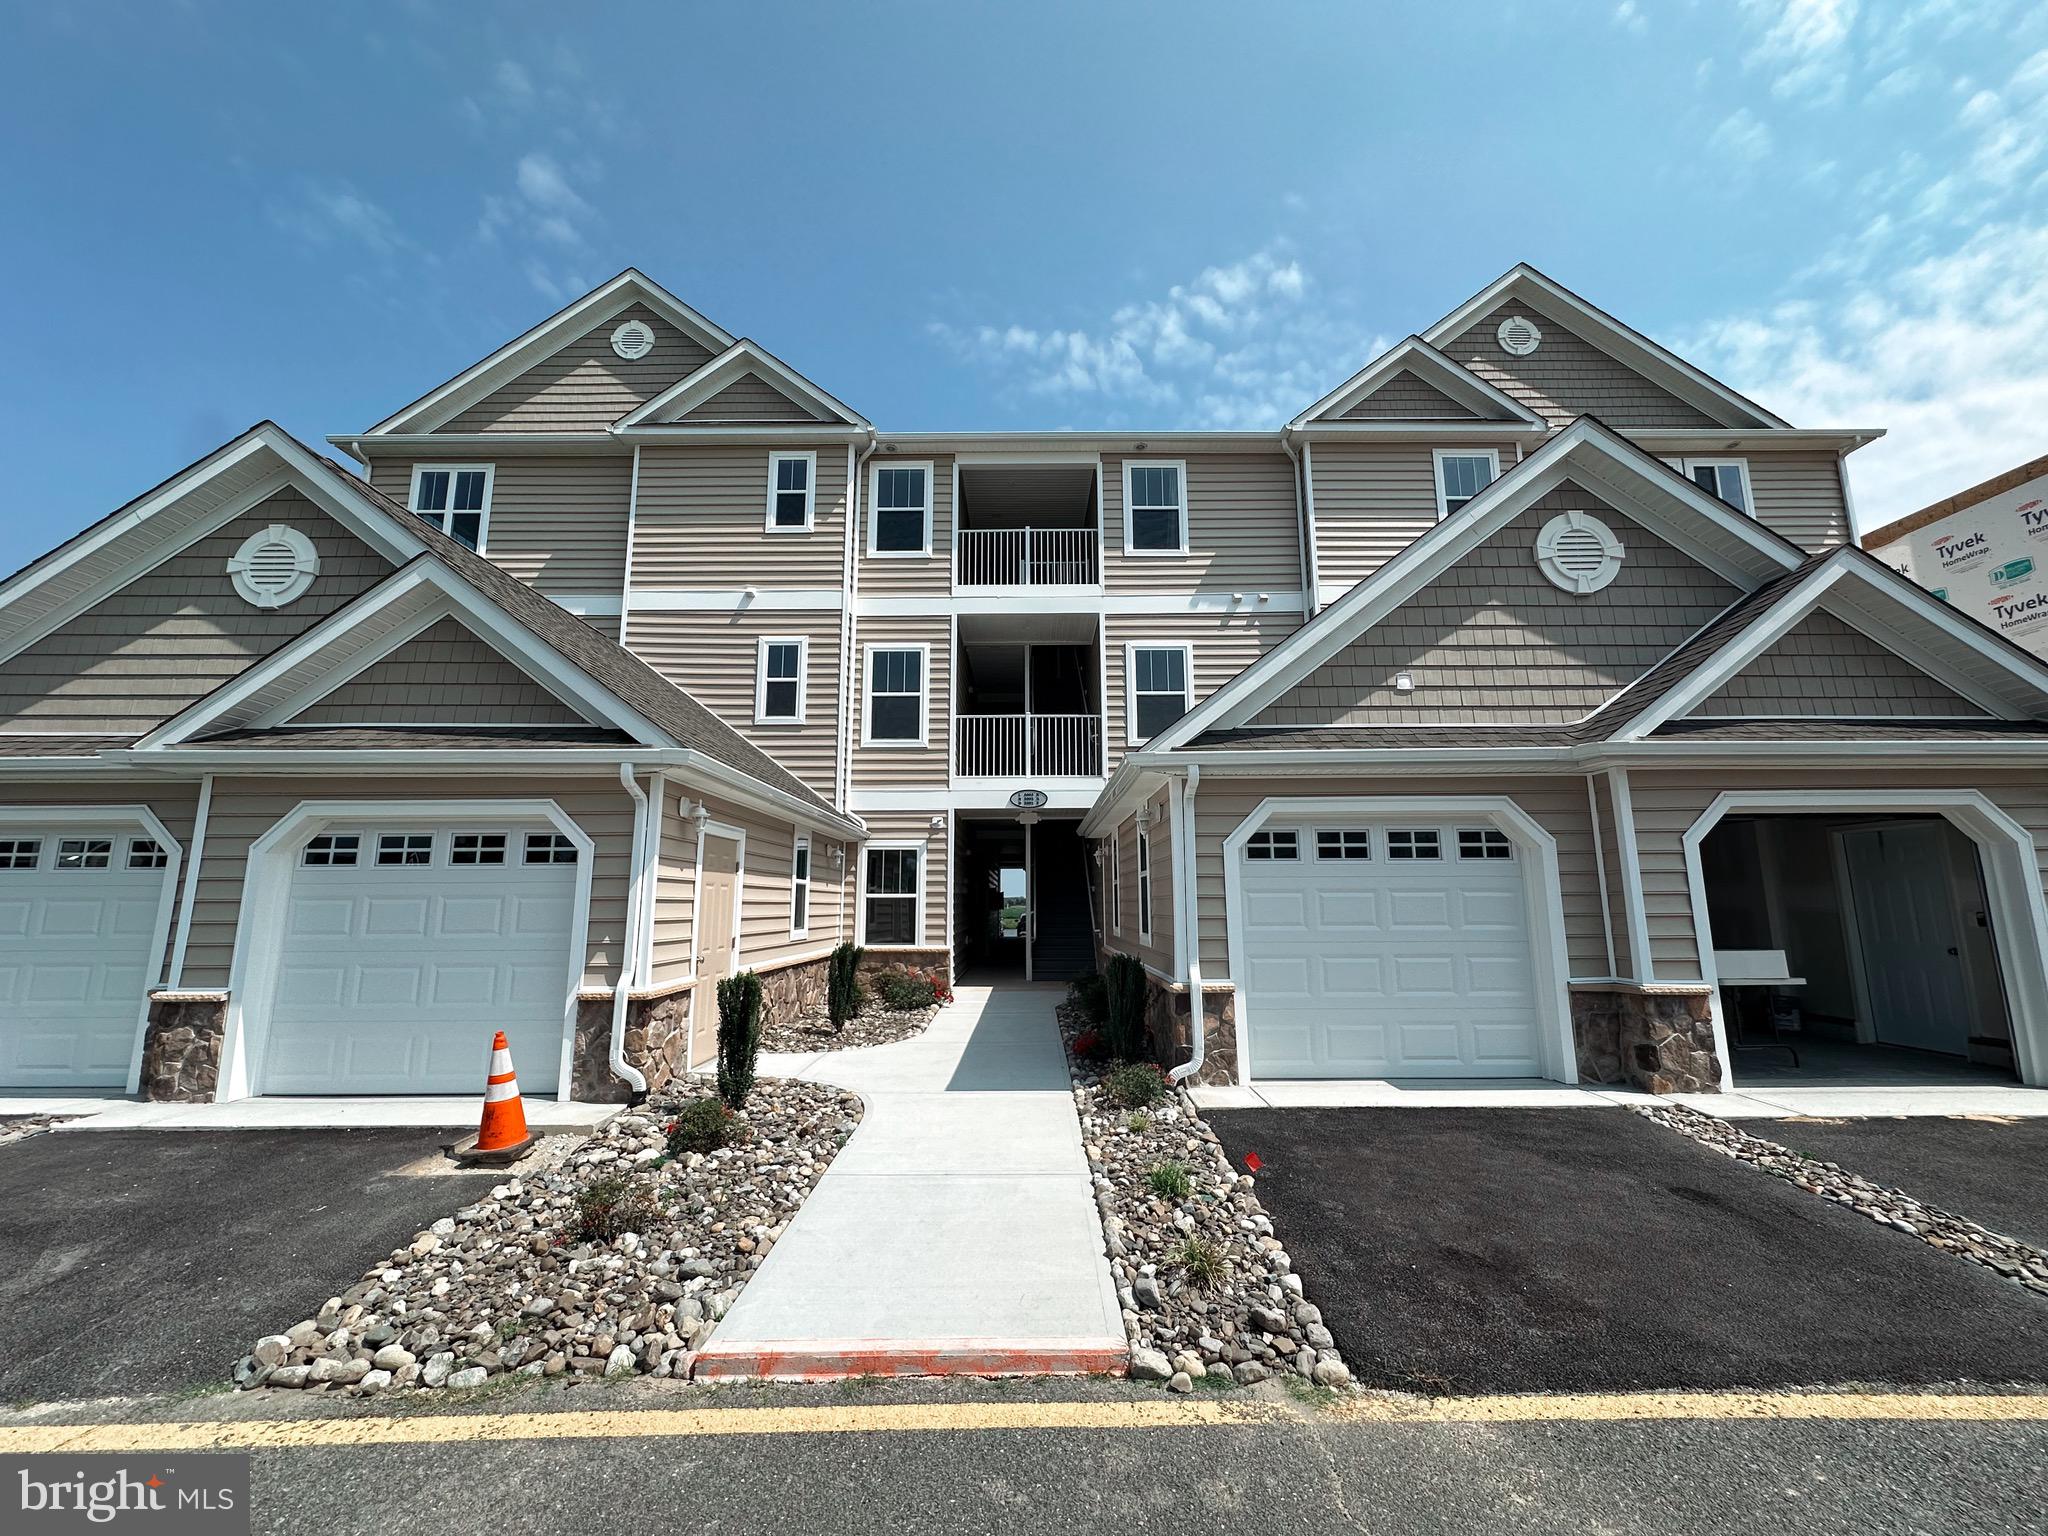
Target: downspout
[
  {"x": 635, "y": 1079},
  {"x": 1198, "y": 1017},
  {"x": 849, "y": 627},
  {"x": 1314, "y": 595}
]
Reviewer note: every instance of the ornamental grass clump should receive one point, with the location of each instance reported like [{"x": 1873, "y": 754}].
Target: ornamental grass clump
[{"x": 1169, "y": 1181}]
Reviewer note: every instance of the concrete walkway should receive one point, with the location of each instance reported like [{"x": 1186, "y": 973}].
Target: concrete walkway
[{"x": 956, "y": 1231}]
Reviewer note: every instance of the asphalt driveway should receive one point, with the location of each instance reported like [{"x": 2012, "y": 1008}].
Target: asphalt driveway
[
  {"x": 1995, "y": 1172},
  {"x": 149, "y": 1261},
  {"x": 1521, "y": 1250}
]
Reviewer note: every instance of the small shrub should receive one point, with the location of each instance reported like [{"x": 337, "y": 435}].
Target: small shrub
[
  {"x": 607, "y": 1207},
  {"x": 739, "y": 1036},
  {"x": 1170, "y": 1181},
  {"x": 1124, "y": 1020},
  {"x": 1200, "y": 1260},
  {"x": 1135, "y": 1084},
  {"x": 1139, "y": 1124},
  {"x": 904, "y": 990},
  {"x": 701, "y": 1125},
  {"x": 1087, "y": 996},
  {"x": 843, "y": 992}
]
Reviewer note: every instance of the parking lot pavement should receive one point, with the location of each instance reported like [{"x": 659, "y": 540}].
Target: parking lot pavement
[
  {"x": 149, "y": 1261},
  {"x": 1517, "y": 1250}
]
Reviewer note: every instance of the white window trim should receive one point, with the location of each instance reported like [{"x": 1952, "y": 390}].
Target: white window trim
[
  {"x": 801, "y": 845},
  {"x": 810, "y": 522},
  {"x": 1687, "y": 466},
  {"x": 1130, "y": 548},
  {"x": 803, "y": 675},
  {"x": 1116, "y": 884},
  {"x": 1131, "y": 649},
  {"x": 1144, "y": 887},
  {"x": 930, "y": 495},
  {"x": 490, "y": 474},
  {"x": 923, "y": 882},
  {"x": 1436, "y": 464},
  {"x": 924, "y": 697}
]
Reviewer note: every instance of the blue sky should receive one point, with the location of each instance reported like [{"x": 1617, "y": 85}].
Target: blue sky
[{"x": 1060, "y": 215}]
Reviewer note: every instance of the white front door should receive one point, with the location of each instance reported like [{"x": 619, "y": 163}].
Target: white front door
[
  {"x": 1905, "y": 926},
  {"x": 78, "y": 917},
  {"x": 404, "y": 950},
  {"x": 1388, "y": 950}
]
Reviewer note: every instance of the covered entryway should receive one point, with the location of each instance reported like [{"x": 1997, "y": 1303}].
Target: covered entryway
[
  {"x": 84, "y": 910},
  {"x": 402, "y": 945},
  {"x": 1396, "y": 945}
]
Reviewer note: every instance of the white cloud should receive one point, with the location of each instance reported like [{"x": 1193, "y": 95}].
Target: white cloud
[
  {"x": 513, "y": 81},
  {"x": 542, "y": 210},
  {"x": 1630, "y": 18},
  {"x": 1741, "y": 136},
  {"x": 1803, "y": 46},
  {"x": 1236, "y": 346},
  {"x": 328, "y": 211}
]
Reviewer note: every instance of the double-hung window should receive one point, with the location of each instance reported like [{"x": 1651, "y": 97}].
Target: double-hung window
[
  {"x": 792, "y": 490},
  {"x": 1155, "y": 508},
  {"x": 455, "y": 498},
  {"x": 1461, "y": 475},
  {"x": 1144, "y": 888},
  {"x": 800, "y": 889},
  {"x": 896, "y": 703},
  {"x": 1725, "y": 478},
  {"x": 779, "y": 681},
  {"x": 900, "y": 509},
  {"x": 1159, "y": 688},
  {"x": 892, "y": 900}
]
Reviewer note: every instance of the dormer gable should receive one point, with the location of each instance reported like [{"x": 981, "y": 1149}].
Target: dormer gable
[
  {"x": 1413, "y": 383},
  {"x": 445, "y": 674},
  {"x": 744, "y": 386}
]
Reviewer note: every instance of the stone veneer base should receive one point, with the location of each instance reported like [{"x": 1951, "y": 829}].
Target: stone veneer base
[
  {"x": 181, "y": 1049},
  {"x": 1658, "y": 1041}
]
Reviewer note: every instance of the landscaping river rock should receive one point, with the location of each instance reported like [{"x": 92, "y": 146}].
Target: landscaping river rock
[
  {"x": 812, "y": 1029},
  {"x": 1206, "y": 1285},
  {"x": 618, "y": 1262}
]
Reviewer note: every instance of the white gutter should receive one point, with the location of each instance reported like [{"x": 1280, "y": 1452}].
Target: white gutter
[
  {"x": 1198, "y": 1014},
  {"x": 629, "y": 948}
]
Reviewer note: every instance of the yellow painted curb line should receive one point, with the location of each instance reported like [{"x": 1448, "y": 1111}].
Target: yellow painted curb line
[{"x": 1611, "y": 1407}]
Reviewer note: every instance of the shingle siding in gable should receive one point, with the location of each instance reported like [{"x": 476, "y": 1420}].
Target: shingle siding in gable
[
  {"x": 1824, "y": 667},
  {"x": 586, "y": 386},
  {"x": 1567, "y": 377},
  {"x": 750, "y": 398},
  {"x": 443, "y": 675},
  {"x": 1492, "y": 640},
  {"x": 179, "y": 631},
  {"x": 1408, "y": 397}
]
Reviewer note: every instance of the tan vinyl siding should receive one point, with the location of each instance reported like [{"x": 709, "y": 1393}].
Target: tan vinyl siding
[
  {"x": 1221, "y": 648},
  {"x": 176, "y": 633},
  {"x": 444, "y": 675},
  {"x": 1371, "y": 502},
  {"x": 1243, "y": 528},
  {"x": 1668, "y": 803},
  {"x": 714, "y": 656},
  {"x": 1492, "y": 640},
  {"x": 585, "y": 386},
  {"x": 701, "y": 522},
  {"x": 1158, "y": 954},
  {"x": 558, "y": 521},
  {"x": 1408, "y": 397},
  {"x": 1823, "y": 667},
  {"x": 1558, "y": 805},
  {"x": 1568, "y": 376},
  {"x": 1800, "y": 496},
  {"x": 900, "y": 828},
  {"x": 244, "y": 809},
  {"x": 900, "y": 767},
  {"x": 900, "y": 575},
  {"x": 749, "y": 398}
]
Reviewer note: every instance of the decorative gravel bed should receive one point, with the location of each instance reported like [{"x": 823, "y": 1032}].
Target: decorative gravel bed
[
  {"x": 511, "y": 1285},
  {"x": 1206, "y": 1286},
  {"x": 2019, "y": 1262},
  {"x": 812, "y": 1030}
]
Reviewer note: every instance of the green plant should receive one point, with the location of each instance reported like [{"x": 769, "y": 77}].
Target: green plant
[
  {"x": 1200, "y": 1260},
  {"x": 904, "y": 990},
  {"x": 842, "y": 984},
  {"x": 607, "y": 1207},
  {"x": 1087, "y": 996},
  {"x": 1123, "y": 1025},
  {"x": 1135, "y": 1084},
  {"x": 700, "y": 1125},
  {"x": 1139, "y": 1124},
  {"x": 1170, "y": 1181},
  {"x": 739, "y": 1036}
]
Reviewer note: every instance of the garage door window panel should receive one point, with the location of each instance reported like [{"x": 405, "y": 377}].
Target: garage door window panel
[
  {"x": 332, "y": 850},
  {"x": 1337, "y": 845},
  {"x": 1413, "y": 843},
  {"x": 1484, "y": 844},
  {"x": 476, "y": 848},
  {"x": 549, "y": 848},
  {"x": 1265, "y": 847},
  {"x": 415, "y": 848},
  {"x": 146, "y": 853},
  {"x": 20, "y": 852},
  {"x": 76, "y": 853}
]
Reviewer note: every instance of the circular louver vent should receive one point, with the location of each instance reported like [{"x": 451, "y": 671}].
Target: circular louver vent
[
  {"x": 274, "y": 567},
  {"x": 1578, "y": 552},
  {"x": 1519, "y": 335},
  {"x": 633, "y": 339}
]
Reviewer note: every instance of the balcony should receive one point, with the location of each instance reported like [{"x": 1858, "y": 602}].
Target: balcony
[
  {"x": 1029, "y": 746},
  {"x": 1027, "y": 557}
]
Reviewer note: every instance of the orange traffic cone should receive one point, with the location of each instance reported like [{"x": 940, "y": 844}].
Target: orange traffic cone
[{"x": 501, "y": 1136}]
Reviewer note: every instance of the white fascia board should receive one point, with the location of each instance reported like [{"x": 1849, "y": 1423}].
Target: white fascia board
[
  {"x": 1621, "y": 341},
  {"x": 741, "y": 358},
  {"x": 1700, "y": 440},
  {"x": 543, "y": 340},
  {"x": 718, "y": 433},
  {"x": 1419, "y": 356},
  {"x": 394, "y": 445},
  {"x": 1475, "y": 430},
  {"x": 1021, "y": 445}
]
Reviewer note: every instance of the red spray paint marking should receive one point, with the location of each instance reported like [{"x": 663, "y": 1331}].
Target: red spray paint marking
[{"x": 1253, "y": 1162}]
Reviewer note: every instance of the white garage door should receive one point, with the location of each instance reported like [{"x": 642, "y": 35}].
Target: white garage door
[
  {"x": 404, "y": 950},
  {"x": 1388, "y": 951},
  {"x": 78, "y": 914}
]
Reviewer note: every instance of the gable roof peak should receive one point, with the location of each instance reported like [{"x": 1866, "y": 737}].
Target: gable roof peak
[
  {"x": 1412, "y": 354},
  {"x": 744, "y": 356}
]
